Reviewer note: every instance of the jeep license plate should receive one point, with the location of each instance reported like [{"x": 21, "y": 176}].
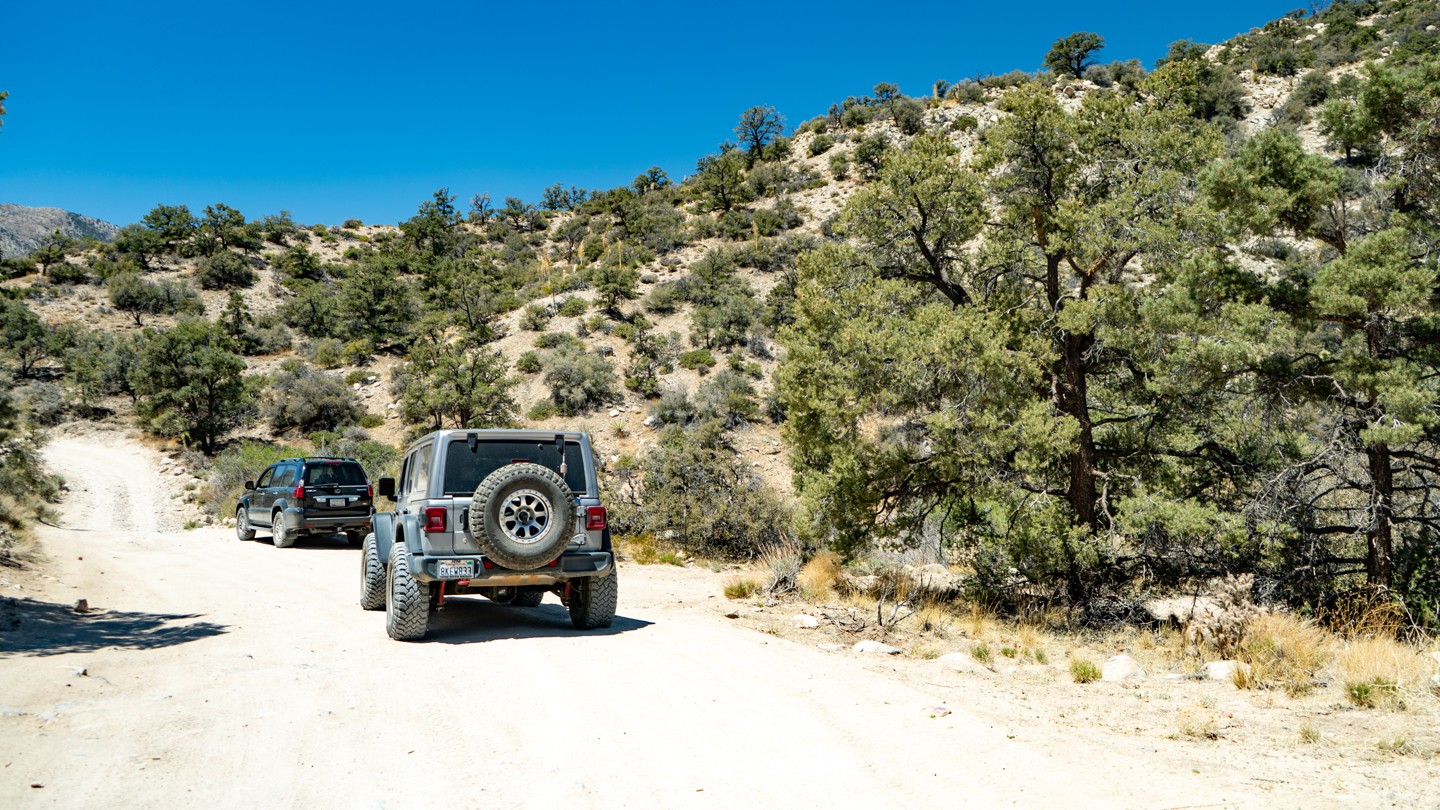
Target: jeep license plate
[{"x": 455, "y": 569}]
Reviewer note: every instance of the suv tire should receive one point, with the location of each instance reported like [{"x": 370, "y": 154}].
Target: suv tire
[
  {"x": 372, "y": 576},
  {"x": 523, "y": 516},
  {"x": 592, "y": 600},
  {"x": 243, "y": 529},
  {"x": 281, "y": 535},
  {"x": 407, "y": 608}
]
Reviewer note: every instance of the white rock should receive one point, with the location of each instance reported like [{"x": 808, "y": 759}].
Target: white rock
[
  {"x": 372, "y": 379},
  {"x": 961, "y": 662},
  {"x": 806, "y": 622},
  {"x": 1225, "y": 670},
  {"x": 614, "y": 412},
  {"x": 869, "y": 646},
  {"x": 355, "y": 386},
  {"x": 650, "y": 422},
  {"x": 827, "y": 647},
  {"x": 1122, "y": 668}
]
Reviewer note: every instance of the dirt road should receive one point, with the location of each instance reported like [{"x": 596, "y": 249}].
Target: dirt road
[{"x": 215, "y": 672}]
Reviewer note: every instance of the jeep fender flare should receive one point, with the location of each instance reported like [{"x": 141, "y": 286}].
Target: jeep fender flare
[{"x": 383, "y": 524}]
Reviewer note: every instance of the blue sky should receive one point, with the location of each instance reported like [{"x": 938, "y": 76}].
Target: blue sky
[{"x": 361, "y": 109}]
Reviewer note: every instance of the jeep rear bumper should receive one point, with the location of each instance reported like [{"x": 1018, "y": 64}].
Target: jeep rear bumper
[{"x": 568, "y": 566}]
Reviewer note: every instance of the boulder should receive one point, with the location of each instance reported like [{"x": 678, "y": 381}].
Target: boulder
[
  {"x": 1225, "y": 670},
  {"x": 869, "y": 646},
  {"x": 1122, "y": 669},
  {"x": 962, "y": 662},
  {"x": 806, "y": 622}
]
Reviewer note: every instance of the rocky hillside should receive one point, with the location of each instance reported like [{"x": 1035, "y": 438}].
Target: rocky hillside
[{"x": 23, "y": 228}]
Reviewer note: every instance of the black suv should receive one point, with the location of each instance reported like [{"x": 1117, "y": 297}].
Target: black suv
[{"x": 313, "y": 495}]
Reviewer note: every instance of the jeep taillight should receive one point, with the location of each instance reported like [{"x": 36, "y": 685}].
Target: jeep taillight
[
  {"x": 435, "y": 518},
  {"x": 594, "y": 518},
  {"x": 299, "y": 492}
]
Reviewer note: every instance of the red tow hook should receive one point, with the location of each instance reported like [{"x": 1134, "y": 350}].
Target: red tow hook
[
  {"x": 440, "y": 603},
  {"x": 566, "y": 598}
]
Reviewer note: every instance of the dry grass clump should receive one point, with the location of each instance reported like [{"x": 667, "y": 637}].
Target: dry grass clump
[
  {"x": 1365, "y": 614},
  {"x": 1381, "y": 673},
  {"x": 819, "y": 576},
  {"x": 781, "y": 564},
  {"x": 1283, "y": 652},
  {"x": 741, "y": 587},
  {"x": 1198, "y": 722},
  {"x": 647, "y": 549}
]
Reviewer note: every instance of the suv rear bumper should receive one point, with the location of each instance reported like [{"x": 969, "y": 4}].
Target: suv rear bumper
[
  {"x": 568, "y": 566},
  {"x": 298, "y": 520}
]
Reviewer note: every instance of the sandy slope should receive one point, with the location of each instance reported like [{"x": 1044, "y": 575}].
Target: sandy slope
[{"x": 231, "y": 674}]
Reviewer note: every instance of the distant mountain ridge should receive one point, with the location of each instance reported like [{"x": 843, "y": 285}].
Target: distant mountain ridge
[{"x": 23, "y": 228}]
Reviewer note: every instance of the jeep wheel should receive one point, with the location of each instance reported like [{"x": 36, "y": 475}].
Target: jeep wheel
[
  {"x": 243, "y": 529},
  {"x": 592, "y": 600},
  {"x": 523, "y": 516},
  {"x": 407, "y": 607},
  {"x": 281, "y": 535},
  {"x": 372, "y": 576}
]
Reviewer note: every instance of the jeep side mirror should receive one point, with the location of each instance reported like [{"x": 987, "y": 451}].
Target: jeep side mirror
[
  {"x": 387, "y": 488},
  {"x": 249, "y": 485}
]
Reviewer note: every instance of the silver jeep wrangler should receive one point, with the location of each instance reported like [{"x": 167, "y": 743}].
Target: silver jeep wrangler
[{"x": 507, "y": 514}]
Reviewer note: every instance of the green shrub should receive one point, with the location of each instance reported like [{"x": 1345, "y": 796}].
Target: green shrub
[
  {"x": 701, "y": 360},
  {"x": 310, "y": 400},
  {"x": 821, "y": 144},
  {"x": 541, "y": 411},
  {"x": 579, "y": 381},
  {"x": 1084, "y": 671},
  {"x": 572, "y": 307},
  {"x": 327, "y": 353},
  {"x": 370, "y": 420},
  {"x": 965, "y": 123},
  {"x": 839, "y": 166},
  {"x": 534, "y": 318},
  {"x": 224, "y": 270},
  {"x": 529, "y": 363},
  {"x": 555, "y": 340}
]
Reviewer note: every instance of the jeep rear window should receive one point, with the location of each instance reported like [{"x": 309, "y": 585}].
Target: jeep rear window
[
  {"x": 334, "y": 472},
  {"x": 465, "y": 470}
]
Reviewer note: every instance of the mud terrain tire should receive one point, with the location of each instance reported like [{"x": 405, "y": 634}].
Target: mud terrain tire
[
  {"x": 407, "y": 607},
  {"x": 372, "y": 576},
  {"x": 592, "y": 600},
  {"x": 243, "y": 529},
  {"x": 522, "y": 516}
]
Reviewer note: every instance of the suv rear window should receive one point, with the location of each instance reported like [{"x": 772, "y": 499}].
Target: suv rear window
[
  {"x": 465, "y": 470},
  {"x": 334, "y": 472}
]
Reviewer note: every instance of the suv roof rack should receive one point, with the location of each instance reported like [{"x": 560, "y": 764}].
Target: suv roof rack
[{"x": 319, "y": 458}]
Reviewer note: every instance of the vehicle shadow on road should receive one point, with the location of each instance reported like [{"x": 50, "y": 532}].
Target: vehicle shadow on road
[
  {"x": 313, "y": 542},
  {"x": 44, "y": 628},
  {"x": 467, "y": 620}
]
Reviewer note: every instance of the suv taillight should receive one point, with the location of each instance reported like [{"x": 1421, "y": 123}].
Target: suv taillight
[
  {"x": 370, "y": 490},
  {"x": 594, "y": 518},
  {"x": 435, "y": 518},
  {"x": 299, "y": 492}
]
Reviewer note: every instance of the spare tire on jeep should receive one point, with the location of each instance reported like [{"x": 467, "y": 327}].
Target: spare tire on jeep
[{"x": 522, "y": 516}]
